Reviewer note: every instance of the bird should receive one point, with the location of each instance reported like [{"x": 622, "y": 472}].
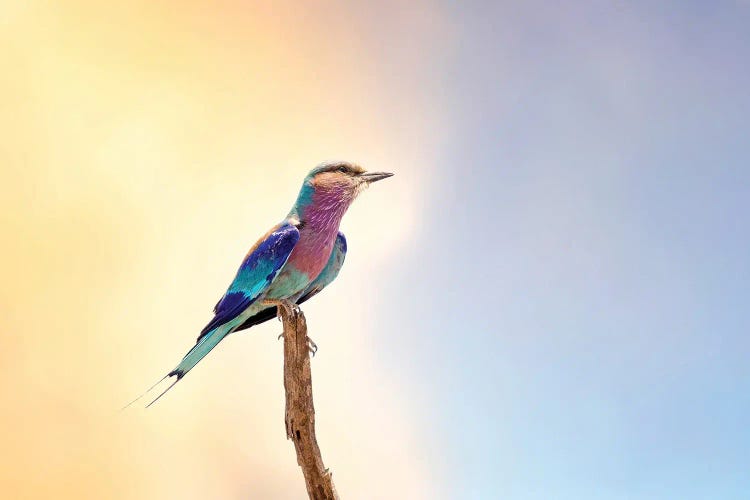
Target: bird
[{"x": 291, "y": 263}]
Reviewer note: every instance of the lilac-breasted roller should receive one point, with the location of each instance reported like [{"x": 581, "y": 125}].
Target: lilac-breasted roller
[{"x": 292, "y": 262}]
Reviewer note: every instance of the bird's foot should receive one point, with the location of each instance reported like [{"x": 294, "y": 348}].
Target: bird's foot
[
  {"x": 312, "y": 346},
  {"x": 290, "y": 307}
]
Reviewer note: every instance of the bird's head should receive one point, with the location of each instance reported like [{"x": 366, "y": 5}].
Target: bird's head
[
  {"x": 335, "y": 185},
  {"x": 347, "y": 178}
]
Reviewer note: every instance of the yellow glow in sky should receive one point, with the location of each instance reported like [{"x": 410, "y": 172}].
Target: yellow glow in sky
[{"x": 145, "y": 148}]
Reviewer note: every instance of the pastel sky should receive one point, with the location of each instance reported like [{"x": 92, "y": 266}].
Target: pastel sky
[{"x": 550, "y": 300}]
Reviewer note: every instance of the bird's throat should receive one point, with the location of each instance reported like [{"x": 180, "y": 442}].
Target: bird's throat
[{"x": 319, "y": 224}]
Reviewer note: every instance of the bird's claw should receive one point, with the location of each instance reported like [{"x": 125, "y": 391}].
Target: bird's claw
[
  {"x": 312, "y": 346},
  {"x": 291, "y": 308},
  {"x": 287, "y": 305}
]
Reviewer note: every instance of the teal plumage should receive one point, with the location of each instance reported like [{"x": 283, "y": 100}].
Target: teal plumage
[
  {"x": 326, "y": 277},
  {"x": 294, "y": 261}
]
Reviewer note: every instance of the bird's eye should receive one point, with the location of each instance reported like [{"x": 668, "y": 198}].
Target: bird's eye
[{"x": 344, "y": 169}]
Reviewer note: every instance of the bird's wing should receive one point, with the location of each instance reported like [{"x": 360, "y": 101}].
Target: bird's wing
[
  {"x": 256, "y": 273},
  {"x": 260, "y": 267},
  {"x": 329, "y": 273}
]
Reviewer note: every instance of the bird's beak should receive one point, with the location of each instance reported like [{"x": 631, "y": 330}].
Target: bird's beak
[{"x": 371, "y": 177}]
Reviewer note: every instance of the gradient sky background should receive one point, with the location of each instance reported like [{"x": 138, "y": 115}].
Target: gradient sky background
[{"x": 549, "y": 300}]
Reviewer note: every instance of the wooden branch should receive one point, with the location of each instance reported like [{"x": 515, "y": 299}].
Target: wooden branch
[{"x": 300, "y": 413}]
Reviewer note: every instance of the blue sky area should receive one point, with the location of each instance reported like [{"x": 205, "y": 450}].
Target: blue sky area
[{"x": 581, "y": 274}]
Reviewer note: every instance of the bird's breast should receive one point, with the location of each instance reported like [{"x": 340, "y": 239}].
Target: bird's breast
[
  {"x": 311, "y": 253},
  {"x": 305, "y": 263}
]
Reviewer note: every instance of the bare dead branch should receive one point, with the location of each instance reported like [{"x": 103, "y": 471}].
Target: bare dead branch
[{"x": 300, "y": 413}]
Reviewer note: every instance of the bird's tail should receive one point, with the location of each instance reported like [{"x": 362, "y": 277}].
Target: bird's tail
[{"x": 194, "y": 355}]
